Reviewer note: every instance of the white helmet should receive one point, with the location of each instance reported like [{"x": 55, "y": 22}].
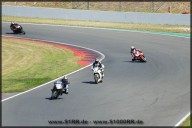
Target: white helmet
[
  {"x": 132, "y": 47},
  {"x": 12, "y": 23},
  {"x": 97, "y": 60},
  {"x": 65, "y": 78}
]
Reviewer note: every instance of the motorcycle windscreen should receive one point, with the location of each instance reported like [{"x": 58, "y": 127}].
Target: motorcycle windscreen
[
  {"x": 95, "y": 70},
  {"x": 58, "y": 86}
]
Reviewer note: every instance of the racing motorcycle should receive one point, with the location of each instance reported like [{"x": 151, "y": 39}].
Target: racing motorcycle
[
  {"x": 139, "y": 55},
  {"x": 16, "y": 28},
  {"x": 57, "y": 90},
  {"x": 97, "y": 75}
]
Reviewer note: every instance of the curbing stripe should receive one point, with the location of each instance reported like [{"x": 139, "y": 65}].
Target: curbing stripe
[{"x": 102, "y": 57}]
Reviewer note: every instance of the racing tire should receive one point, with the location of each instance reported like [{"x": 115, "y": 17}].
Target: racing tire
[{"x": 96, "y": 78}]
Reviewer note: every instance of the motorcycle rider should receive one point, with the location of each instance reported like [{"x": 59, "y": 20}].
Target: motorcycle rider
[
  {"x": 133, "y": 52},
  {"x": 12, "y": 26},
  {"x": 66, "y": 83},
  {"x": 98, "y": 63}
]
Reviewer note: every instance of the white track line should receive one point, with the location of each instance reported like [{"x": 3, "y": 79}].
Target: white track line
[
  {"x": 102, "y": 57},
  {"x": 111, "y": 29},
  {"x": 182, "y": 120}
]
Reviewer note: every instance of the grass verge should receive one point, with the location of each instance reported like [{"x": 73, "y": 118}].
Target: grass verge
[
  {"x": 129, "y": 26},
  {"x": 186, "y": 122},
  {"x": 26, "y": 64}
]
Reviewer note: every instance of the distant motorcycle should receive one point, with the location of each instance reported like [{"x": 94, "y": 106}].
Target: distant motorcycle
[
  {"x": 139, "y": 55},
  {"x": 57, "y": 90},
  {"x": 16, "y": 28},
  {"x": 97, "y": 74}
]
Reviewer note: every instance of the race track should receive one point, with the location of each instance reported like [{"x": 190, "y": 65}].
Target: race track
[{"x": 156, "y": 92}]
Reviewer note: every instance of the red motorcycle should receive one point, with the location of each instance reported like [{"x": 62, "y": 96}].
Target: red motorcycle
[
  {"x": 16, "y": 28},
  {"x": 138, "y": 55}
]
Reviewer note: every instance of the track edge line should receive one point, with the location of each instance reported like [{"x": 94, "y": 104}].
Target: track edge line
[
  {"x": 183, "y": 119},
  {"x": 102, "y": 57}
]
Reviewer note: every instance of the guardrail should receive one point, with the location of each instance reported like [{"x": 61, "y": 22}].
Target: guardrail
[{"x": 92, "y": 15}]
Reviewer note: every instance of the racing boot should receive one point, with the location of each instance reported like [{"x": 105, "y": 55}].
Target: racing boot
[
  {"x": 102, "y": 73},
  {"x": 133, "y": 58},
  {"x": 66, "y": 91}
]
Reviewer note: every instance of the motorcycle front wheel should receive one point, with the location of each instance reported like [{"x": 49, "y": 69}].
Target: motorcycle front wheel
[
  {"x": 143, "y": 59},
  {"x": 54, "y": 95},
  {"x": 23, "y": 32},
  {"x": 96, "y": 77}
]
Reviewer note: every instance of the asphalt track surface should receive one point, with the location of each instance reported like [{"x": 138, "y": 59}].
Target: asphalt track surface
[{"x": 156, "y": 92}]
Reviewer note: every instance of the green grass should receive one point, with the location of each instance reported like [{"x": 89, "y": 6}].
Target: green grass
[
  {"x": 26, "y": 64},
  {"x": 129, "y": 26},
  {"x": 186, "y": 122}
]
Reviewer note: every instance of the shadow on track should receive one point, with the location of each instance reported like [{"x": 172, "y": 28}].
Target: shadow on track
[
  {"x": 88, "y": 82},
  {"x": 10, "y": 33},
  {"x": 134, "y": 61},
  {"x": 49, "y": 98}
]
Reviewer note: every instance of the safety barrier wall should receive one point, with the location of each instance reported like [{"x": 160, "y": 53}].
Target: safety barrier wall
[{"x": 92, "y": 15}]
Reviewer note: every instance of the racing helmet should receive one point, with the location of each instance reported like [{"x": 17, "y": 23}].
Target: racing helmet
[
  {"x": 65, "y": 78},
  {"x": 132, "y": 47},
  {"x": 96, "y": 60},
  {"x": 12, "y": 23}
]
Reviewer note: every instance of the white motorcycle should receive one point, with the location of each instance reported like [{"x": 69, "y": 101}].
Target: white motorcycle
[
  {"x": 98, "y": 77},
  {"x": 57, "y": 90}
]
